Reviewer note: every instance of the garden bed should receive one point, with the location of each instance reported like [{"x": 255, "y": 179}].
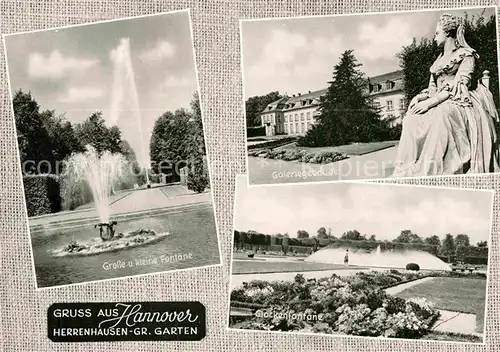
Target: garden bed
[
  {"x": 466, "y": 295},
  {"x": 322, "y": 157},
  {"x": 349, "y": 149}
]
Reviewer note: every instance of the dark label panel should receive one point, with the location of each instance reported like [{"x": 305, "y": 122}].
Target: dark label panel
[{"x": 131, "y": 321}]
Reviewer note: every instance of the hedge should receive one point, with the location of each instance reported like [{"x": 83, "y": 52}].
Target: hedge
[
  {"x": 42, "y": 194},
  {"x": 256, "y": 131},
  {"x": 272, "y": 144}
]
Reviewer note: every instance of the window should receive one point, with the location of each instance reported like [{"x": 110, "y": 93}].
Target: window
[
  {"x": 401, "y": 104},
  {"x": 389, "y": 105},
  {"x": 302, "y": 127},
  {"x": 309, "y": 125},
  {"x": 296, "y": 127},
  {"x": 308, "y": 115},
  {"x": 286, "y": 129},
  {"x": 286, "y": 118},
  {"x": 388, "y": 85},
  {"x": 296, "y": 117},
  {"x": 291, "y": 128},
  {"x": 301, "y": 116}
]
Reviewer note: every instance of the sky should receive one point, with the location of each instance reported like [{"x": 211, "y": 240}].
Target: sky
[
  {"x": 380, "y": 209},
  {"x": 297, "y": 55},
  {"x": 71, "y": 70}
]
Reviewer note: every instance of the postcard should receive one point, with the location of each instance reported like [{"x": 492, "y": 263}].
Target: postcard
[
  {"x": 112, "y": 149},
  {"x": 361, "y": 259},
  {"x": 371, "y": 96}
]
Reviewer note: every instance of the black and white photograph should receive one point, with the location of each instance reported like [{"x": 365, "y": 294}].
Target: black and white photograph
[
  {"x": 361, "y": 259},
  {"x": 112, "y": 149},
  {"x": 371, "y": 96}
]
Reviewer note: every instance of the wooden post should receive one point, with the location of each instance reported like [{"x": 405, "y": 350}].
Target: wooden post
[{"x": 485, "y": 80}]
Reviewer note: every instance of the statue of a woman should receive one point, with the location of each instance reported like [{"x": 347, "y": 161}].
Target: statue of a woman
[{"x": 449, "y": 129}]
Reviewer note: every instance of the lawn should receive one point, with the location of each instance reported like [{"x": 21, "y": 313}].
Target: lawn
[
  {"x": 349, "y": 149},
  {"x": 467, "y": 295},
  {"x": 259, "y": 266}
]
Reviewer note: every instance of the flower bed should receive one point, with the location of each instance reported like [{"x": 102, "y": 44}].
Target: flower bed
[
  {"x": 354, "y": 305},
  {"x": 324, "y": 157}
]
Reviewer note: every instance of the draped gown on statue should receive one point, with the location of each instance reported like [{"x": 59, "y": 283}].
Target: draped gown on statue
[{"x": 458, "y": 135}]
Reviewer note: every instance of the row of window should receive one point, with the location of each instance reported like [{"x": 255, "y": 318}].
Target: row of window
[
  {"x": 297, "y": 128},
  {"x": 291, "y": 117},
  {"x": 390, "y": 106}
]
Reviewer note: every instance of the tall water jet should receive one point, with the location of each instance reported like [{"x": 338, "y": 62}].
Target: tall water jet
[
  {"x": 379, "y": 258},
  {"x": 125, "y": 92},
  {"x": 100, "y": 172}
]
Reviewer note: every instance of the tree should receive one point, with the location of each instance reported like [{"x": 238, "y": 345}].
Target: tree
[
  {"x": 372, "y": 238},
  {"x": 322, "y": 233},
  {"x": 462, "y": 240},
  {"x": 93, "y": 131},
  {"x": 33, "y": 139},
  {"x": 347, "y": 113},
  {"x": 284, "y": 244},
  {"x": 352, "y": 236},
  {"x": 448, "y": 246},
  {"x": 302, "y": 234},
  {"x": 407, "y": 236},
  {"x": 197, "y": 176},
  {"x": 416, "y": 60},
  {"x": 170, "y": 143},
  {"x": 433, "y": 240},
  {"x": 482, "y": 244},
  {"x": 256, "y": 104}
]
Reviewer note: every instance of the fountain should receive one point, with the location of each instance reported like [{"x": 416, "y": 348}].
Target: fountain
[
  {"x": 378, "y": 258},
  {"x": 101, "y": 172},
  {"x": 125, "y": 92}
]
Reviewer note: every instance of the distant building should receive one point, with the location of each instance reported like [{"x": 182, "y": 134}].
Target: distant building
[
  {"x": 295, "y": 115},
  {"x": 387, "y": 92}
]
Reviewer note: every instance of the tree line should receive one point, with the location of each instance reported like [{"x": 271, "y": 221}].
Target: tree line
[
  {"x": 457, "y": 246},
  {"x": 46, "y": 138},
  {"x": 178, "y": 142}
]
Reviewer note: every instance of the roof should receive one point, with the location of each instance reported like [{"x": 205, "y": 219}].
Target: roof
[
  {"x": 391, "y": 76},
  {"x": 395, "y": 76},
  {"x": 274, "y": 105},
  {"x": 309, "y": 99}
]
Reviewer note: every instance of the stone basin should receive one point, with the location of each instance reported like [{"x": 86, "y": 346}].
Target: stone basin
[{"x": 122, "y": 241}]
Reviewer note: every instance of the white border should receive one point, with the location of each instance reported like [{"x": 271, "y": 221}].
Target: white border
[
  {"x": 348, "y": 15},
  {"x": 220, "y": 264},
  {"x": 492, "y": 192}
]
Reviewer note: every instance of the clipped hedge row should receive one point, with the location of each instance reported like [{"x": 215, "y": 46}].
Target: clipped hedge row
[
  {"x": 272, "y": 144},
  {"x": 324, "y": 157},
  {"x": 256, "y": 131},
  {"x": 42, "y": 194}
]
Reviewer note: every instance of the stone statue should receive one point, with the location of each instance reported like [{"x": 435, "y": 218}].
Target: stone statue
[{"x": 448, "y": 128}]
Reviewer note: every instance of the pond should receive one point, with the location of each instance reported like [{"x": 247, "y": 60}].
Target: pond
[{"x": 192, "y": 243}]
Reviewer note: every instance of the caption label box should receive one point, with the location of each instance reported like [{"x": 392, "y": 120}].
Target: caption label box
[{"x": 130, "y": 321}]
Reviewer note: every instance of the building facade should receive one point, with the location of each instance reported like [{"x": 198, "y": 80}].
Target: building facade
[
  {"x": 295, "y": 115},
  {"x": 387, "y": 93}
]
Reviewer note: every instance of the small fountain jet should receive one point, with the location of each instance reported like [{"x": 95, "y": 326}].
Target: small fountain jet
[{"x": 106, "y": 230}]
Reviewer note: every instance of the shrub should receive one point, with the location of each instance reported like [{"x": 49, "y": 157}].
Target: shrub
[
  {"x": 42, "y": 194},
  {"x": 412, "y": 266},
  {"x": 197, "y": 175}
]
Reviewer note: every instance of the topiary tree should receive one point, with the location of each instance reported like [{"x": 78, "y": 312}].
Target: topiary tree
[
  {"x": 412, "y": 266},
  {"x": 284, "y": 245}
]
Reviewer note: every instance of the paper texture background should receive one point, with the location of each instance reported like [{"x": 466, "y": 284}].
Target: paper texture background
[{"x": 216, "y": 39}]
